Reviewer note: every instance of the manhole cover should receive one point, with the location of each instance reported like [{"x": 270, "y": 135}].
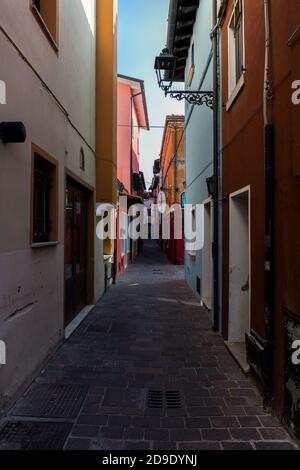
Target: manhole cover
[
  {"x": 30, "y": 435},
  {"x": 169, "y": 399},
  {"x": 52, "y": 401}
]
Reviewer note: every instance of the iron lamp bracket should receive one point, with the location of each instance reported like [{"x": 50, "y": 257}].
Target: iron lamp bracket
[{"x": 198, "y": 98}]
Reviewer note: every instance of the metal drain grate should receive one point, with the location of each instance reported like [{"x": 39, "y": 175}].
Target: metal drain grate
[
  {"x": 155, "y": 399},
  {"x": 170, "y": 399},
  {"x": 52, "y": 401},
  {"x": 30, "y": 435},
  {"x": 173, "y": 399}
]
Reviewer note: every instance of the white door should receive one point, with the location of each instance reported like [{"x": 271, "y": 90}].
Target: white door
[{"x": 239, "y": 267}]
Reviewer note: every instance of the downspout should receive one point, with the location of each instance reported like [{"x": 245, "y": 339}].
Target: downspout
[
  {"x": 215, "y": 36},
  {"x": 268, "y": 369}
]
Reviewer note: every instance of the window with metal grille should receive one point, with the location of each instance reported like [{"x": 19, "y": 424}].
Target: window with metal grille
[{"x": 43, "y": 197}]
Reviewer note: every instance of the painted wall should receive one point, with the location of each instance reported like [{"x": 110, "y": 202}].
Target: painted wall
[
  {"x": 243, "y": 156},
  {"x": 53, "y": 93},
  {"x": 243, "y": 164},
  {"x": 285, "y": 18},
  {"x": 173, "y": 178},
  {"x": 124, "y": 140},
  {"x": 199, "y": 131},
  {"x": 173, "y": 170},
  {"x": 124, "y": 136}
]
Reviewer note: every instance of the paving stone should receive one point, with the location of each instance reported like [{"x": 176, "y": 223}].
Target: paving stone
[
  {"x": 245, "y": 434},
  {"x": 185, "y": 435},
  {"x": 164, "y": 445},
  {"x": 233, "y": 410},
  {"x": 82, "y": 430},
  {"x": 198, "y": 423},
  {"x": 131, "y": 445},
  {"x": 112, "y": 432},
  {"x": 92, "y": 420},
  {"x": 157, "y": 435},
  {"x": 273, "y": 434},
  {"x": 215, "y": 434},
  {"x": 145, "y": 422},
  {"x": 136, "y": 434},
  {"x": 133, "y": 341},
  {"x": 249, "y": 422},
  {"x": 205, "y": 411},
  {"x": 78, "y": 444},
  {"x": 269, "y": 421},
  {"x": 123, "y": 397},
  {"x": 254, "y": 410},
  {"x": 119, "y": 421},
  {"x": 199, "y": 446},
  {"x": 237, "y": 446},
  {"x": 172, "y": 422},
  {"x": 269, "y": 445},
  {"x": 243, "y": 392},
  {"x": 225, "y": 422}
]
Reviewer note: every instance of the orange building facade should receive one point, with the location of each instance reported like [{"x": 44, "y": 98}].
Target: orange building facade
[{"x": 172, "y": 167}]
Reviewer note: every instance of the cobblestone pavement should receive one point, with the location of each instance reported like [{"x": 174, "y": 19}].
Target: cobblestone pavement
[{"x": 148, "y": 333}]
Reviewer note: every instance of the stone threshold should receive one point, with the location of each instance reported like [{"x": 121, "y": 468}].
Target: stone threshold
[
  {"x": 72, "y": 327},
  {"x": 239, "y": 353}
]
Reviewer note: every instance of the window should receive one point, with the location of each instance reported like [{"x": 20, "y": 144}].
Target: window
[
  {"x": 44, "y": 201},
  {"x": 236, "y": 47},
  {"x": 46, "y": 12}
]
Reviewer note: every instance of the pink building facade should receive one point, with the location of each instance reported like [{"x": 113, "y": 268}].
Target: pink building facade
[{"x": 132, "y": 117}]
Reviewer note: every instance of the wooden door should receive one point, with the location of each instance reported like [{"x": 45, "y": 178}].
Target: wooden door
[{"x": 75, "y": 250}]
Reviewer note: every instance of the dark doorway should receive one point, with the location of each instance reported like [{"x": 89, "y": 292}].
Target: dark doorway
[{"x": 75, "y": 249}]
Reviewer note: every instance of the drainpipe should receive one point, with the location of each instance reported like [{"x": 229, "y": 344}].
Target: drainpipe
[
  {"x": 268, "y": 369},
  {"x": 215, "y": 35}
]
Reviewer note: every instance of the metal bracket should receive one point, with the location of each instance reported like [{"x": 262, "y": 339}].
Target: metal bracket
[{"x": 198, "y": 98}]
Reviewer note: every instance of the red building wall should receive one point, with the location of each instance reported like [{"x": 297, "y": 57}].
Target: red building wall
[{"x": 243, "y": 164}]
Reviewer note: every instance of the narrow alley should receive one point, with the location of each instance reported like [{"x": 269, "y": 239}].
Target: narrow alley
[{"x": 143, "y": 372}]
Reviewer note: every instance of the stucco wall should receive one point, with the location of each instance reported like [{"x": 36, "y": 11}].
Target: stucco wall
[
  {"x": 59, "y": 118},
  {"x": 124, "y": 136},
  {"x": 243, "y": 155},
  {"x": 199, "y": 132}
]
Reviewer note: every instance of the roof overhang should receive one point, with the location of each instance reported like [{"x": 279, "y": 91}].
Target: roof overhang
[
  {"x": 137, "y": 88},
  {"x": 182, "y": 17}
]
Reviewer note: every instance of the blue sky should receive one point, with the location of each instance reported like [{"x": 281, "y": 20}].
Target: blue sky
[{"x": 142, "y": 32}]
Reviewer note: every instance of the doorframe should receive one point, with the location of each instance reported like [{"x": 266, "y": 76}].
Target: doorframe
[
  {"x": 90, "y": 235},
  {"x": 245, "y": 189},
  {"x": 209, "y": 201}
]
